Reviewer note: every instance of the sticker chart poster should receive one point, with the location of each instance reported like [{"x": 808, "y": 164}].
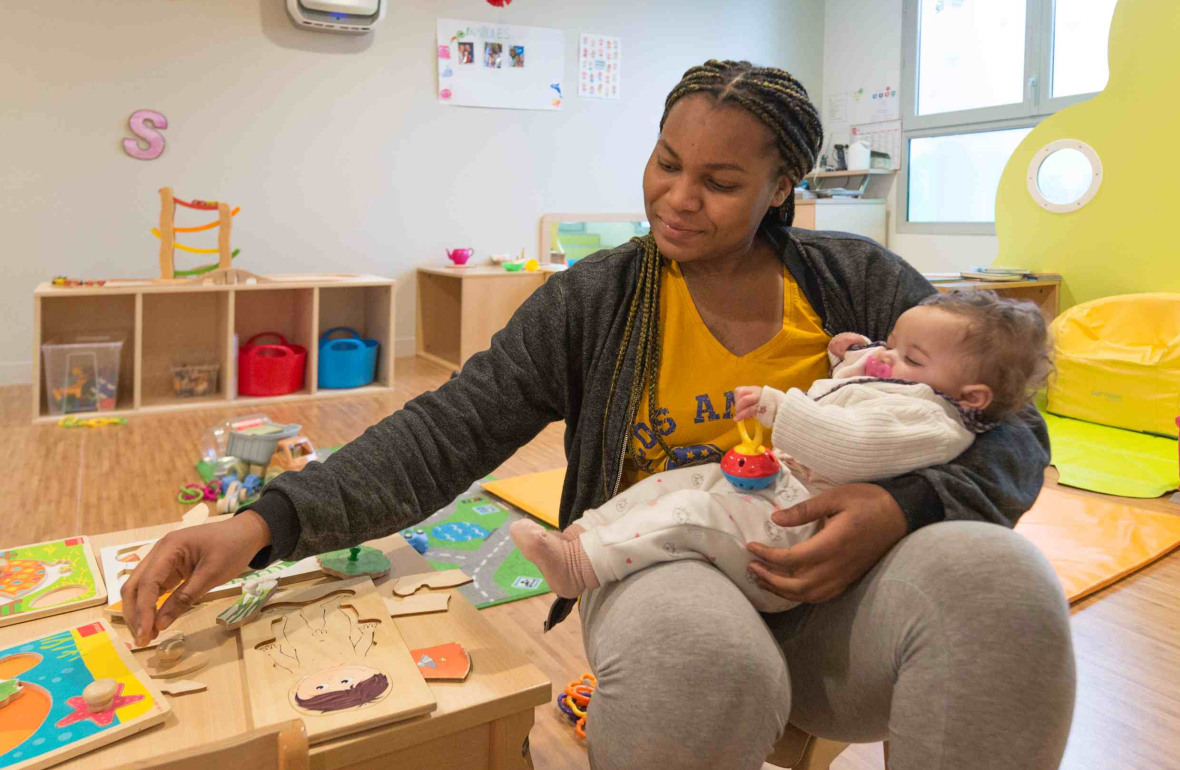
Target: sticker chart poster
[
  {"x": 599, "y": 58},
  {"x": 49, "y": 717},
  {"x": 499, "y": 65}
]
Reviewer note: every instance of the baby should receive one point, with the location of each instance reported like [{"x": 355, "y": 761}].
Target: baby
[{"x": 952, "y": 367}]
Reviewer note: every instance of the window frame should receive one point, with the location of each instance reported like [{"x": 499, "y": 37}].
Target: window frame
[{"x": 1035, "y": 106}]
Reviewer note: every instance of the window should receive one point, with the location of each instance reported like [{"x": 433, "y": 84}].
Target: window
[{"x": 977, "y": 75}]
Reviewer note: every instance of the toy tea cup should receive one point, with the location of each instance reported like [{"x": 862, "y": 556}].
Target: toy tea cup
[{"x": 460, "y": 256}]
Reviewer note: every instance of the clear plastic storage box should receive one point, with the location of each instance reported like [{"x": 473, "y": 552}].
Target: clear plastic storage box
[{"x": 82, "y": 373}]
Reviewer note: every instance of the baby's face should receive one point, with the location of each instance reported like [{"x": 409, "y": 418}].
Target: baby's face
[
  {"x": 926, "y": 345},
  {"x": 333, "y": 680}
]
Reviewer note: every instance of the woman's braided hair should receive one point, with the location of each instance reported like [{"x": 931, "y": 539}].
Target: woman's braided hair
[{"x": 778, "y": 100}]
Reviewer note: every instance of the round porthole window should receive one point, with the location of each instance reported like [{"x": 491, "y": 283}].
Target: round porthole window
[{"x": 1064, "y": 175}]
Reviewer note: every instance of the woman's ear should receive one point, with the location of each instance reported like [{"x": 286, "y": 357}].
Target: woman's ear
[
  {"x": 976, "y": 396},
  {"x": 781, "y": 191}
]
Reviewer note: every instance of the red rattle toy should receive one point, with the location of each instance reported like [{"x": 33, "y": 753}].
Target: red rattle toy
[{"x": 749, "y": 466}]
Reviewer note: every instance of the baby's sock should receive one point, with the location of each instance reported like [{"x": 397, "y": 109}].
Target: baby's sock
[{"x": 561, "y": 558}]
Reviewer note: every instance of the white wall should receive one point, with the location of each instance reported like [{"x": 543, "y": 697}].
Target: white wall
[
  {"x": 335, "y": 147},
  {"x": 862, "y": 49}
]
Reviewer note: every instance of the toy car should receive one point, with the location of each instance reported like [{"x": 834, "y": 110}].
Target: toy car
[{"x": 292, "y": 454}]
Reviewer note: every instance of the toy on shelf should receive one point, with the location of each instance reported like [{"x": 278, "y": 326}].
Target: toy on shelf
[
  {"x": 223, "y": 272},
  {"x": 417, "y": 539},
  {"x": 48, "y": 578},
  {"x": 459, "y": 256},
  {"x": 80, "y": 689},
  {"x": 82, "y": 373},
  {"x": 291, "y": 454},
  {"x": 190, "y": 380},
  {"x": 360, "y": 560},
  {"x": 330, "y": 654},
  {"x": 750, "y": 466},
  {"x": 270, "y": 370},
  {"x": 346, "y": 363},
  {"x": 74, "y": 283},
  {"x": 574, "y": 701}
]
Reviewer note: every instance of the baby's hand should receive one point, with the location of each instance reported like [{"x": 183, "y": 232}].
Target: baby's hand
[
  {"x": 841, "y": 342},
  {"x": 747, "y": 397}
]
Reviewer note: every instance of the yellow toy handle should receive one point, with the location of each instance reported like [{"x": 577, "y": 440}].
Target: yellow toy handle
[{"x": 750, "y": 445}]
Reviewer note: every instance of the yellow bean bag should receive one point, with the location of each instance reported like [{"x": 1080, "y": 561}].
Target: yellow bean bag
[{"x": 1118, "y": 362}]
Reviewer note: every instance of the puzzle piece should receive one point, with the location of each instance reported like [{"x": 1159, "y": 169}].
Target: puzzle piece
[
  {"x": 249, "y": 604},
  {"x": 445, "y": 662},
  {"x": 358, "y": 561},
  {"x": 418, "y": 605},
  {"x": 444, "y": 579}
]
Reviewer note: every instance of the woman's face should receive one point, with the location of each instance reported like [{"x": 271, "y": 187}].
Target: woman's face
[{"x": 711, "y": 178}]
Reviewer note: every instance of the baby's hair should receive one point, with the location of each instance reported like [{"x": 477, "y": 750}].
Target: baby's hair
[
  {"x": 1010, "y": 342},
  {"x": 359, "y": 694}
]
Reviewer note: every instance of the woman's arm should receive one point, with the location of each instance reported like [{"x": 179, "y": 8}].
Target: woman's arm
[{"x": 419, "y": 458}]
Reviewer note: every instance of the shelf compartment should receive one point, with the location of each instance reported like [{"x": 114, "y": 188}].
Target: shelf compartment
[
  {"x": 368, "y": 310},
  {"x": 190, "y": 328},
  {"x": 62, "y": 319},
  {"x": 289, "y": 312}
]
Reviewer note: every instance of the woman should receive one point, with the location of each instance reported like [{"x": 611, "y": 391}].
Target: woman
[{"x": 924, "y": 624}]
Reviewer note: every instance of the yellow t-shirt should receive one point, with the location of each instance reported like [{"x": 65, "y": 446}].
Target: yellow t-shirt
[{"x": 694, "y": 403}]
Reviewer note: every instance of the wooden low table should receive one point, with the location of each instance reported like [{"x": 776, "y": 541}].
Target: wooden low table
[{"x": 482, "y": 722}]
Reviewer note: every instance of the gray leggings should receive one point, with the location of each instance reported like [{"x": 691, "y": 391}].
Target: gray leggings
[{"x": 955, "y": 648}]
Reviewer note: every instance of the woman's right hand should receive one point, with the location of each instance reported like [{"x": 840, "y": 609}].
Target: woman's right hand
[{"x": 189, "y": 562}]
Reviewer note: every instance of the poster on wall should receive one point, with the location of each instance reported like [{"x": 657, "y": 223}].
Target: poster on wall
[
  {"x": 499, "y": 65},
  {"x": 599, "y": 58},
  {"x": 882, "y": 137}
]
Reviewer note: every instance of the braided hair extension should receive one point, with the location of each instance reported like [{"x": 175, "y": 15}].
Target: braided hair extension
[{"x": 778, "y": 100}]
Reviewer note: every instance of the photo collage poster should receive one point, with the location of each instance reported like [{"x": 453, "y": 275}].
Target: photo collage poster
[{"x": 499, "y": 65}]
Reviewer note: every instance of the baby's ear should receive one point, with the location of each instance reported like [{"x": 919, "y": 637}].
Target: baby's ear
[{"x": 976, "y": 396}]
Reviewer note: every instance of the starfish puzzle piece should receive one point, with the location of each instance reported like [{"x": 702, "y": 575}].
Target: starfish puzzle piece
[{"x": 82, "y": 712}]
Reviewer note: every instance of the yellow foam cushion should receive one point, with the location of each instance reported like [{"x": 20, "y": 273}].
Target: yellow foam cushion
[
  {"x": 1118, "y": 362},
  {"x": 537, "y": 494}
]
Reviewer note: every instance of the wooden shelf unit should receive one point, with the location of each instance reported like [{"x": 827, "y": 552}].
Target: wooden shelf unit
[
  {"x": 163, "y": 322},
  {"x": 459, "y": 309}
]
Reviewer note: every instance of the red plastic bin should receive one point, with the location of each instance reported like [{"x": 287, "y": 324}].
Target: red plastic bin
[{"x": 270, "y": 370}]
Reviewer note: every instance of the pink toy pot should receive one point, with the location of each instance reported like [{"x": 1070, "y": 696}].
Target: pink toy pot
[{"x": 460, "y": 256}]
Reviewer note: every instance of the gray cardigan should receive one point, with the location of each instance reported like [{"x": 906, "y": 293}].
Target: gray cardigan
[{"x": 554, "y": 360}]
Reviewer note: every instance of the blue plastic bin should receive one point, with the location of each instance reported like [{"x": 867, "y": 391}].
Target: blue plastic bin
[{"x": 347, "y": 363}]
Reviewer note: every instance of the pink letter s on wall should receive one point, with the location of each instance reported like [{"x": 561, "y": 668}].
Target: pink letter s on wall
[{"x": 144, "y": 124}]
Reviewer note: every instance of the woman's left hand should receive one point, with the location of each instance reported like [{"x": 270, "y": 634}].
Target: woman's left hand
[{"x": 863, "y": 523}]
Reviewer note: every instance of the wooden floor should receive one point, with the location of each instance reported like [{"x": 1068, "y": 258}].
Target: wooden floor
[{"x": 60, "y": 482}]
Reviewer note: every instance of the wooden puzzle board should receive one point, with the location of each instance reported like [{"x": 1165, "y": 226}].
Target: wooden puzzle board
[
  {"x": 119, "y": 560},
  {"x": 49, "y": 722},
  {"x": 48, "y": 578},
  {"x": 331, "y": 655}
]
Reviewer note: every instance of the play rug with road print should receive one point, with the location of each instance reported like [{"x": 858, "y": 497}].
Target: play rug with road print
[{"x": 472, "y": 534}]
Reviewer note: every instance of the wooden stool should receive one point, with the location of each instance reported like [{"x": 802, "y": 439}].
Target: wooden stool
[{"x": 802, "y": 751}]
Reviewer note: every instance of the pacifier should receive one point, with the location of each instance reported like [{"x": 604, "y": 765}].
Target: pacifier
[{"x": 875, "y": 367}]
